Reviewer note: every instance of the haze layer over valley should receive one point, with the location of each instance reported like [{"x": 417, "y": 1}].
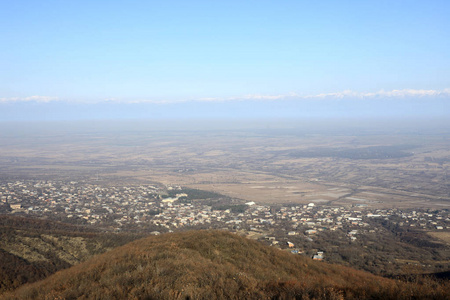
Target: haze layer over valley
[{"x": 380, "y": 164}]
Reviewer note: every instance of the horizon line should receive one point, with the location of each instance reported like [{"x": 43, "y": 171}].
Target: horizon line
[{"x": 345, "y": 94}]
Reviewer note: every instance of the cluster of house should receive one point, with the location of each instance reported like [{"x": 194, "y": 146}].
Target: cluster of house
[{"x": 151, "y": 207}]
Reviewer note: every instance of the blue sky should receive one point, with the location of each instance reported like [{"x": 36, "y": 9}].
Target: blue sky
[{"x": 129, "y": 57}]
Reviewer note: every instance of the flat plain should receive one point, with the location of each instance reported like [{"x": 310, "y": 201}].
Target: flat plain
[{"x": 375, "y": 168}]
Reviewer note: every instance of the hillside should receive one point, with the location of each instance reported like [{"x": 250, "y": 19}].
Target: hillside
[
  {"x": 216, "y": 265},
  {"x": 31, "y": 249}
]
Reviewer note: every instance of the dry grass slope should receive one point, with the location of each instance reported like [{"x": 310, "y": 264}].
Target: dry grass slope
[{"x": 216, "y": 265}]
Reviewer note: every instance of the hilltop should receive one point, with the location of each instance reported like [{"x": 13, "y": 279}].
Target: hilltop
[{"x": 216, "y": 265}]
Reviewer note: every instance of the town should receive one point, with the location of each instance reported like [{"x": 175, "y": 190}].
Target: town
[{"x": 319, "y": 230}]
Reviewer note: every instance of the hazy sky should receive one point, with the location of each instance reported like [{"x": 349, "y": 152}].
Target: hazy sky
[{"x": 292, "y": 54}]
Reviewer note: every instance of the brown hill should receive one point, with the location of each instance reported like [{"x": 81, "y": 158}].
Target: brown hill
[{"x": 216, "y": 265}]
